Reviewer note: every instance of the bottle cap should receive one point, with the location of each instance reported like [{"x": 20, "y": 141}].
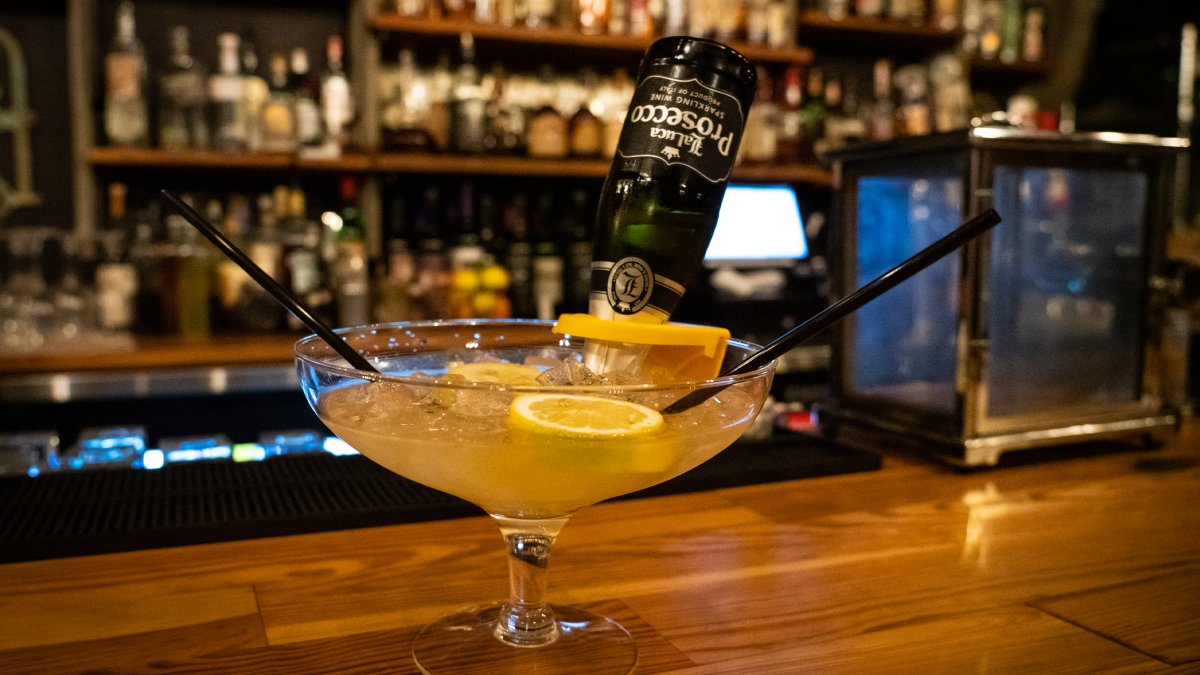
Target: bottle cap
[{"x": 678, "y": 352}]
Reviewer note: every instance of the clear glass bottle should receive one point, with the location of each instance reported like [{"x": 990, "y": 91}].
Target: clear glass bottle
[
  {"x": 585, "y": 129},
  {"x": 337, "y": 102},
  {"x": 255, "y": 92},
  {"x": 468, "y": 103},
  {"x": 181, "y": 97},
  {"x": 126, "y": 109},
  {"x": 227, "y": 93},
  {"x": 305, "y": 89},
  {"x": 406, "y": 111},
  {"x": 277, "y": 121}
]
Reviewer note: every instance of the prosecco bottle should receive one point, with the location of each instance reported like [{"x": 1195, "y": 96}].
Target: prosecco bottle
[{"x": 660, "y": 201}]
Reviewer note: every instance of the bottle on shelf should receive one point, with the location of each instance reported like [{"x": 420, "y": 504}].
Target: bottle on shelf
[
  {"x": 148, "y": 259},
  {"x": 505, "y": 117},
  {"x": 815, "y": 110},
  {"x": 181, "y": 98},
  {"x": 191, "y": 282},
  {"x": 433, "y": 263},
  {"x": 1033, "y": 33},
  {"x": 991, "y": 27},
  {"x": 912, "y": 82},
  {"x": 255, "y": 91},
  {"x": 261, "y": 313},
  {"x": 304, "y": 87},
  {"x": 468, "y": 103},
  {"x": 882, "y": 123},
  {"x": 116, "y": 275},
  {"x": 547, "y": 134},
  {"x": 277, "y": 118},
  {"x": 790, "y": 143},
  {"x": 518, "y": 256},
  {"x": 592, "y": 16},
  {"x": 227, "y": 96},
  {"x": 586, "y": 133},
  {"x": 1010, "y": 31},
  {"x": 352, "y": 277},
  {"x": 440, "y": 84},
  {"x": 406, "y": 110},
  {"x": 659, "y": 204},
  {"x": 541, "y": 13},
  {"x": 126, "y": 107},
  {"x": 230, "y": 282},
  {"x": 760, "y": 143},
  {"x": 547, "y": 264},
  {"x": 337, "y": 103},
  {"x": 393, "y": 289},
  {"x": 576, "y": 247}
]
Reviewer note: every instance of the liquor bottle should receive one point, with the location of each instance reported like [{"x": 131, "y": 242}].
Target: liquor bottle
[
  {"x": 468, "y": 104},
  {"x": 126, "y": 114},
  {"x": 1033, "y": 33},
  {"x": 226, "y": 94},
  {"x": 585, "y": 131},
  {"x": 181, "y": 98},
  {"x": 547, "y": 264},
  {"x": 576, "y": 247},
  {"x": 781, "y": 23},
  {"x": 304, "y": 88},
  {"x": 440, "y": 84},
  {"x": 191, "y": 264},
  {"x": 144, "y": 255},
  {"x": 229, "y": 280},
  {"x": 815, "y": 110},
  {"x": 255, "y": 91},
  {"x": 882, "y": 125},
  {"x": 505, "y": 117},
  {"x": 277, "y": 118},
  {"x": 760, "y": 142},
  {"x": 116, "y": 276},
  {"x": 660, "y": 201},
  {"x": 912, "y": 81},
  {"x": 433, "y": 264},
  {"x": 337, "y": 104},
  {"x": 1010, "y": 31},
  {"x": 406, "y": 110},
  {"x": 540, "y": 13},
  {"x": 791, "y": 142},
  {"x": 990, "y": 28},
  {"x": 518, "y": 256},
  {"x": 352, "y": 276},
  {"x": 547, "y": 135},
  {"x": 592, "y": 16},
  {"x": 261, "y": 312},
  {"x": 393, "y": 299}
]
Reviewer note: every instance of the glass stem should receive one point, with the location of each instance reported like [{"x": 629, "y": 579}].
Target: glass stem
[{"x": 526, "y": 620}]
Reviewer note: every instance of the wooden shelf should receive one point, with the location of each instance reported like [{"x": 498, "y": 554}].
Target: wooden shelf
[
  {"x": 212, "y": 159},
  {"x": 565, "y": 39},
  {"x": 875, "y": 35},
  {"x": 416, "y": 163},
  {"x": 160, "y": 352}
]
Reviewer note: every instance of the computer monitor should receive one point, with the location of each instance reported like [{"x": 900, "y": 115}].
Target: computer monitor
[{"x": 758, "y": 226}]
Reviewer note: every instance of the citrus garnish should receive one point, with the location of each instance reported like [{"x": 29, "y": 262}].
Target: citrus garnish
[
  {"x": 580, "y": 416},
  {"x": 496, "y": 373}
]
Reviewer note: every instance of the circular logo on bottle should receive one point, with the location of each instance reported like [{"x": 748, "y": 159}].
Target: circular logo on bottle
[{"x": 630, "y": 282}]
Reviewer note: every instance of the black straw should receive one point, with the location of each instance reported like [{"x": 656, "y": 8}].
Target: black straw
[
  {"x": 269, "y": 284},
  {"x": 842, "y": 308}
]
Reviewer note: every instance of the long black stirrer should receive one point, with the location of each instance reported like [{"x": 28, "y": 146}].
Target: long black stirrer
[
  {"x": 842, "y": 308},
  {"x": 265, "y": 280}
]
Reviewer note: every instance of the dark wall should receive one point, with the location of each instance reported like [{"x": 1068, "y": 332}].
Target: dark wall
[{"x": 42, "y": 32}]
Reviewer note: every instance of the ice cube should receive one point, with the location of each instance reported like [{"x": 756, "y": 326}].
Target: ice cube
[{"x": 570, "y": 373}]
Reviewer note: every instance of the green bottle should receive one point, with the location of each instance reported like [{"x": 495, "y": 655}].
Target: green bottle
[{"x": 660, "y": 202}]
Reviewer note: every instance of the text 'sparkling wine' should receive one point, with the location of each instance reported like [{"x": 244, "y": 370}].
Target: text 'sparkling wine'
[{"x": 660, "y": 202}]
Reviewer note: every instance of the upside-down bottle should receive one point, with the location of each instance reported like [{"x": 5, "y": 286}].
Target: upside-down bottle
[{"x": 660, "y": 202}]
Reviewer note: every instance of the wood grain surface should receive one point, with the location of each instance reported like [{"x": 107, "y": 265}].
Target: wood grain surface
[{"x": 1072, "y": 565}]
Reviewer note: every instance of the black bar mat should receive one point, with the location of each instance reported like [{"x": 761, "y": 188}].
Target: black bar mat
[{"x": 69, "y": 514}]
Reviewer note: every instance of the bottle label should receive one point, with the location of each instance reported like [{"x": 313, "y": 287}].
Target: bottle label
[
  {"x": 631, "y": 287},
  {"x": 683, "y": 122}
]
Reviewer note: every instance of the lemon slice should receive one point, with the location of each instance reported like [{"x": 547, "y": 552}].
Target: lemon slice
[
  {"x": 580, "y": 416},
  {"x": 496, "y": 373}
]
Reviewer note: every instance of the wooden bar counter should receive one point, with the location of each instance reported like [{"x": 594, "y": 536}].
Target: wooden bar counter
[{"x": 1076, "y": 565}]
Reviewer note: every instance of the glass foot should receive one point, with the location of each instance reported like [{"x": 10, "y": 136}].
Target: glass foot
[{"x": 466, "y": 642}]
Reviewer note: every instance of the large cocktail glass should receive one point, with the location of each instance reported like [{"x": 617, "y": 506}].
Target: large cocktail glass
[{"x": 457, "y": 436}]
